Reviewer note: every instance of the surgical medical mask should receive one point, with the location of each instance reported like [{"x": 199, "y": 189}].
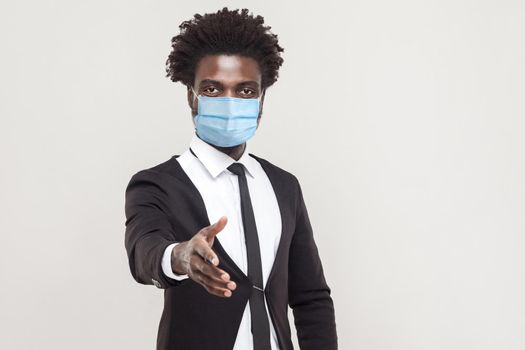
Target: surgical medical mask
[{"x": 226, "y": 121}]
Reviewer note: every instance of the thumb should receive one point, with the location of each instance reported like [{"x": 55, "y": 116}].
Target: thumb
[{"x": 211, "y": 231}]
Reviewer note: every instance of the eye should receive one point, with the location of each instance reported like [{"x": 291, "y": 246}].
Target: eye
[
  {"x": 247, "y": 92},
  {"x": 210, "y": 90}
]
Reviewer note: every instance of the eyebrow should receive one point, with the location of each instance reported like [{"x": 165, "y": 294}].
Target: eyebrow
[{"x": 216, "y": 82}]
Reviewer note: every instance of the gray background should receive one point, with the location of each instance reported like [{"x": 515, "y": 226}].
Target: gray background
[{"x": 403, "y": 120}]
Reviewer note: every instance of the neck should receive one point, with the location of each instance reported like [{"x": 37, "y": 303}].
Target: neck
[{"x": 234, "y": 152}]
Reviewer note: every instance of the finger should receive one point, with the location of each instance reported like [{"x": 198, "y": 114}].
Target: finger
[
  {"x": 214, "y": 287},
  {"x": 210, "y": 231},
  {"x": 213, "y": 272},
  {"x": 213, "y": 282},
  {"x": 198, "y": 264},
  {"x": 205, "y": 252}
]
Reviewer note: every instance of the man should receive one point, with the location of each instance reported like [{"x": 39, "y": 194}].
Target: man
[{"x": 225, "y": 233}]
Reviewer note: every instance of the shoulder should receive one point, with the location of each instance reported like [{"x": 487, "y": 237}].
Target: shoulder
[
  {"x": 168, "y": 167},
  {"x": 156, "y": 174}
]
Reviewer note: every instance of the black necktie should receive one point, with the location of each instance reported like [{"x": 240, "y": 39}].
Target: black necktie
[{"x": 260, "y": 323}]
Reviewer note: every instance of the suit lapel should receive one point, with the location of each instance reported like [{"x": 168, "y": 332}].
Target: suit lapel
[{"x": 284, "y": 198}]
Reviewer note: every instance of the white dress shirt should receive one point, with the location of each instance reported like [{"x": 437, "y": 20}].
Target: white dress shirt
[{"x": 219, "y": 189}]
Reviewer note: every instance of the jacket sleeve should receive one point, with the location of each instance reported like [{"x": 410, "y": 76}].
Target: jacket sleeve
[
  {"x": 308, "y": 292},
  {"x": 148, "y": 229}
]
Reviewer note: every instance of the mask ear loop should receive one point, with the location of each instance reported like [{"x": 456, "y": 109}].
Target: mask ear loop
[{"x": 194, "y": 94}]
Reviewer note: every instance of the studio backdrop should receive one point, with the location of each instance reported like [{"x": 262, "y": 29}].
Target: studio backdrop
[{"x": 403, "y": 121}]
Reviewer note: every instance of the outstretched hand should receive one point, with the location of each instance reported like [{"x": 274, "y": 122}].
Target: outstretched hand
[{"x": 196, "y": 259}]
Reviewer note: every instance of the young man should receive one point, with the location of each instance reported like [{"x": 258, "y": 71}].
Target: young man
[{"x": 226, "y": 233}]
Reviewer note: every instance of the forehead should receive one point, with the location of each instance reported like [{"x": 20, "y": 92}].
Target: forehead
[{"x": 228, "y": 69}]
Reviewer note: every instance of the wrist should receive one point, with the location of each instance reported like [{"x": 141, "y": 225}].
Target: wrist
[{"x": 177, "y": 265}]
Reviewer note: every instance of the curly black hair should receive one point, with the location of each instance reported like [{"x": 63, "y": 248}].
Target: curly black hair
[{"x": 224, "y": 32}]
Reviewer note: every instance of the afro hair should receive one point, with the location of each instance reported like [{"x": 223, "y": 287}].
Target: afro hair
[{"x": 224, "y": 32}]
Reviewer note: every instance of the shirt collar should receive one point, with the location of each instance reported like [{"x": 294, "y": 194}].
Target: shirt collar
[{"x": 216, "y": 161}]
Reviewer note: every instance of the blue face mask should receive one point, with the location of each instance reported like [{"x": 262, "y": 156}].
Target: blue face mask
[{"x": 226, "y": 121}]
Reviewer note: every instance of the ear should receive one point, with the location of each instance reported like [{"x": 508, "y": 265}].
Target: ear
[
  {"x": 261, "y": 107},
  {"x": 191, "y": 101},
  {"x": 262, "y": 102}
]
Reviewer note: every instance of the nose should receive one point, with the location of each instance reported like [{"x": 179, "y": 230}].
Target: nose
[{"x": 229, "y": 92}]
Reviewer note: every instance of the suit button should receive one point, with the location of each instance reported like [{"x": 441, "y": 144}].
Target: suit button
[{"x": 156, "y": 283}]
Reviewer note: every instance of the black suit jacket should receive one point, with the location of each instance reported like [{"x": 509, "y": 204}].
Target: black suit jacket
[{"x": 163, "y": 206}]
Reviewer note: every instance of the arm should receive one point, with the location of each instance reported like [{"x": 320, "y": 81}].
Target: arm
[
  {"x": 153, "y": 252},
  {"x": 309, "y": 294},
  {"x": 148, "y": 229}
]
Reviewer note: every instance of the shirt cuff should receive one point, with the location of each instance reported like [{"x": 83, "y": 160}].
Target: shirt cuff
[{"x": 166, "y": 263}]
